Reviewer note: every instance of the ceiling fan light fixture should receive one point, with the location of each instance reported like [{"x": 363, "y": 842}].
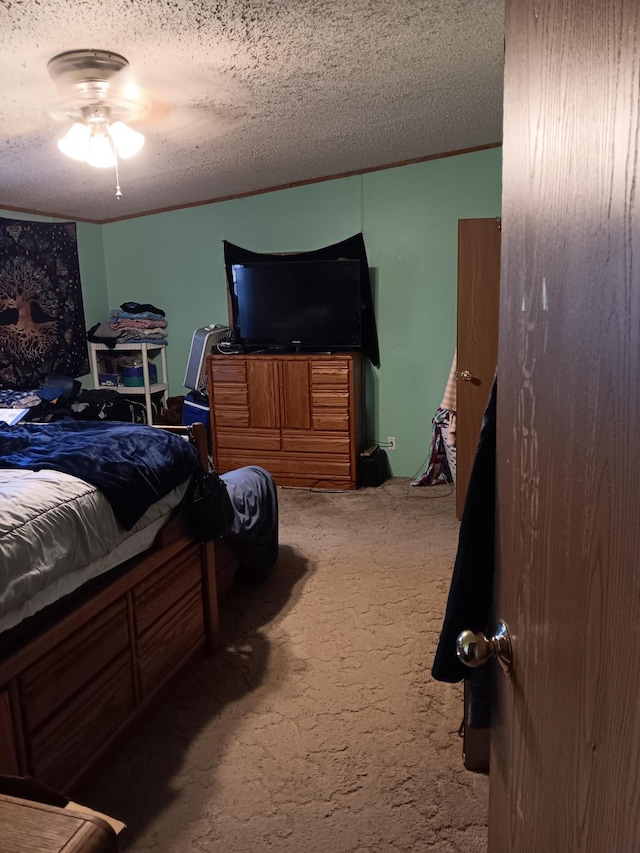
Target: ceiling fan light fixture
[
  {"x": 94, "y": 142},
  {"x": 127, "y": 141},
  {"x": 75, "y": 142},
  {"x": 100, "y": 154}
]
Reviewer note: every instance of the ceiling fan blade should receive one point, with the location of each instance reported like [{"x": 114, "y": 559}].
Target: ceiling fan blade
[{"x": 186, "y": 123}]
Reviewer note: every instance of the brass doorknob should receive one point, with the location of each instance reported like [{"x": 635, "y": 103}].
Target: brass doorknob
[
  {"x": 476, "y": 649},
  {"x": 467, "y": 375}
]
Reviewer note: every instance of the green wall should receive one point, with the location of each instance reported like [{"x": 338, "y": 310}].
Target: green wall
[
  {"x": 175, "y": 260},
  {"x": 409, "y": 218},
  {"x": 411, "y": 232}
]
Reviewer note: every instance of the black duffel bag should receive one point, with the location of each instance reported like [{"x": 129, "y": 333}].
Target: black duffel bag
[{"x": 210, "y": 508}]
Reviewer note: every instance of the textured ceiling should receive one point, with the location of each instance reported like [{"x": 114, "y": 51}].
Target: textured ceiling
[{"x": 248, "y": 95}]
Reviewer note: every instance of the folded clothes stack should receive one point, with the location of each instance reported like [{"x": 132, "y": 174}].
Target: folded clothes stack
[
  {"x": 139, "y": 322},
  {"x": 133, "y": 322}
]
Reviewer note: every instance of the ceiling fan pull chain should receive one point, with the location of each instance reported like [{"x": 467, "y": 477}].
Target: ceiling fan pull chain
[{"x": 118, "y": 190}]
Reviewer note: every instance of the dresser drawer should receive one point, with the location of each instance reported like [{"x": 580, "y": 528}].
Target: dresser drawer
[
  {"x": 228, "y": 416},
  {"x": 249, "y": 440},
  {"x": 334, "y": 372},
  {"x": 303, "y": 441},
  {"x": 167, "y": 643},
  {"x": 59, "y": 749},
  {"x": 159, "y": 592},
  {"x": 307, "y": 464},
  {"x": 325, "y": 398},
  {"x": 330, "y": 420},
  {"x": 224, "y": 368},
  {"x": 62, "y": 672},
  {"x": 230, "y": 395}
]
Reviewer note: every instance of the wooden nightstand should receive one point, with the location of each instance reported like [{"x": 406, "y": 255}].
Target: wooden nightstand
[{"x": 29, "y": 827}]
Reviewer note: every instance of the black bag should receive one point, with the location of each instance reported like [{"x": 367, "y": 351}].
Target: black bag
[{"x": 210, "y": 506}]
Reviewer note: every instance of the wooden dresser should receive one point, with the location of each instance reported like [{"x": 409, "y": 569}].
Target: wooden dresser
[{"x": 299, "y": 416}]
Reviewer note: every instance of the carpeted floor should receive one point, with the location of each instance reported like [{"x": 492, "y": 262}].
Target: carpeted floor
[{"x": 318, "y": 726}]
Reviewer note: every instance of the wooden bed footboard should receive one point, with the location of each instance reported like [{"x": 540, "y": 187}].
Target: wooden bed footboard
[{"x": 72, "y": 692}]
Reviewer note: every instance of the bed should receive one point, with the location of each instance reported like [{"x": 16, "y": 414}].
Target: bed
[{"x": 106, "y": 597}]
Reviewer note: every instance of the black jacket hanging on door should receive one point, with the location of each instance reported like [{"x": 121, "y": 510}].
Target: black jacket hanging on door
[{"x": 469, "y": 605}]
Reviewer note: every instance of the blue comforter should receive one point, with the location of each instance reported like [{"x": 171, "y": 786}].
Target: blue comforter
[{"x": 133, "y": 466}]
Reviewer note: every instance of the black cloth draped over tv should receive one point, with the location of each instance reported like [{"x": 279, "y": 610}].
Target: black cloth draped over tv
[{"x": 352, "y": 248}]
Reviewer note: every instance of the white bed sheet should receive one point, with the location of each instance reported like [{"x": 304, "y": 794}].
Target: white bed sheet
[{"x": 56, "y": 533}]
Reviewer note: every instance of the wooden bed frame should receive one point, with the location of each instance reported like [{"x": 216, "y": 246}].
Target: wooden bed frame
[{"x": 75, "y": 687}]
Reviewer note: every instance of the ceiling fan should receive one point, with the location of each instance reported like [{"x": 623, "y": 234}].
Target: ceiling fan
[
  {"x": 97, "y": 98},
  {"x": 104, "y": 108},
  {"x": 84, "y": 77}
]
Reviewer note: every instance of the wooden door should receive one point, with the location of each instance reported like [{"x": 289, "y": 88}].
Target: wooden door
[
  {"x": 565, "y": 757},
  {"x": 295, "y": 394},
  {"x": 263, "y": 392},
  {"x": 478, "y": 296}
]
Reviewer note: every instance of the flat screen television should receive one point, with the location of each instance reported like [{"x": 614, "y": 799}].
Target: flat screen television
[{"x": 297, "y": 305}]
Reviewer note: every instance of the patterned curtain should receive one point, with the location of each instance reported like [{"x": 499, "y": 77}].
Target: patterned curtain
[{"x": 42, "y": 328}]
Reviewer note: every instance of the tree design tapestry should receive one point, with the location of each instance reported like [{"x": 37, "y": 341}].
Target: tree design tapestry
[{"x": 42, "y": 327}]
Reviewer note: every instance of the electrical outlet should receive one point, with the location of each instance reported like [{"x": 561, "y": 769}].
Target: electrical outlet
[{"x": 391, "y": 442}]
